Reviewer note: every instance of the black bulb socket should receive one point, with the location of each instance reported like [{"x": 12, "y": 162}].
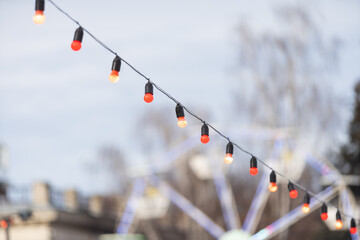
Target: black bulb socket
[
  {"x": 230, "y": 148},
  {"x": 352, "y": 223},
  {"x": 291, "y": 186},
  {"x": 179, "y": 111},
  {"x": 116, "y": 65},
  {"x": 324, "y": 208},
  {"x": 272, "y": 177},
  {"x": 149, "y": 88},
  {"x": 338, "y": 215},
  {"x": 79, "y": 34},
  {"x": 40, "y": 5},
  {"x": 307, "y": 198},
  {"x": 253, "y": 162},
  {"x": 204, "y": 130}
]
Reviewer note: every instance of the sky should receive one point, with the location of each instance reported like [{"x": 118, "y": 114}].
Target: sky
[{"x": 57, "y": 106}]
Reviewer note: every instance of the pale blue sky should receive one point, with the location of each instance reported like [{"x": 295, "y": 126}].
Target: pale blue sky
[{"x": 57, "y": 106}]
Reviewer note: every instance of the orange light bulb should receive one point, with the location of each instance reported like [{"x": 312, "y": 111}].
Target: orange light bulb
[
  {"x": 182, "y": 122},
  {"x": 228, "y": 158},
  {"x": 305, "y": 208},
  {"x": 3, "y": 224},
  {"x": 353, "y": 228},
  {"x": 293, "y": 194},
  {"x": 204, "y": 139},
  {"x": 273, "y": 187},
  {"x": 324, "y": 216},
  {"x": 338, "y": 224},
  {"x": 39, "y": 17},
  {"x": 114, "y": 76},
  {"x": 253, "y": 171},
  {"x": 148, "y": 97},
  {"x": 76, "y": 45}
]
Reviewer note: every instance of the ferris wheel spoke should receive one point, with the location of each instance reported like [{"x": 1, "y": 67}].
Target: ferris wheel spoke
[
  {"x": 130, "y": 210},
  {"x": 261, "y": 195},
  {"x": 185, "y": 205},
  {"x": 257, "y": 206},
  {"x": 226, "y": 198},
  {"x": 294, "y": 215}
]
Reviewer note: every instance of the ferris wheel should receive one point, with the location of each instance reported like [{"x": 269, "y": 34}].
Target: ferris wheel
[{"x": 142, "y": 206}]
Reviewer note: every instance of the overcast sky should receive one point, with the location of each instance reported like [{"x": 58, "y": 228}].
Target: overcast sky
[{"x": 57, "y": 106}]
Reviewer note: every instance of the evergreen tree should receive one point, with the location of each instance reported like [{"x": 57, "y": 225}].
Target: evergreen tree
[{"x": 350, "y": 152}]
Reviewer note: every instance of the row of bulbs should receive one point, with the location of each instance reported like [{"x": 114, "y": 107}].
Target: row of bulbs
[
  {"x": 39, "y": 18},
  {"x": 293, "y": 193}
]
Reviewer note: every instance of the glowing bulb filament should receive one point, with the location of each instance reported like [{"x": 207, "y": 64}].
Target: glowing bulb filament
[
  {"x": 182, "y": 122},
  {"x": 39, "y": 17},
  {"x": 273, "y": 187},
  {"x": 338, "y": 224},
  {"x": 305, "y": 208},
  {"x": 114, "y": 76},
  {"x": 228, "y": 158}
]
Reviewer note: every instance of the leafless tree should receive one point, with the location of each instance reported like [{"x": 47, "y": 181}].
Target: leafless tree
[{"x": 285, "y": 82}]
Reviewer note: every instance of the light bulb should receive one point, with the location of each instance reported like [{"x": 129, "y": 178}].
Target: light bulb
[
  {"x": 148, "y": 97},
  {"x": 39, "y": 17},
  {"x": 353, "y": 228},
  {"x": 323, "y": 211},
  {"x": 273, "y": 187},
  {"x": 305, "y": 208},
  {"x": 78, "y": 37},
  {"x": 228, "y": 158},
  {"x": 204, "y": 134},
  {"x": 204, "y": 139},
  {"x": 229, "y": 152},
  {"x": 76, "y": 45},
  {"x": 3, "y": 224},
  {"x": 182, "y": 122},
  {"x": 293, "y": 194},
  {"x": 253, "y": 166},
  {"x": 115, "y": 69},
  {"x": 253, "y": 171},
  {"x": 292, "y": 191},
  {"x": 114, "y": 76},
  {"x": 338, "y": 224},
  {"x": 179, "y": 110}
]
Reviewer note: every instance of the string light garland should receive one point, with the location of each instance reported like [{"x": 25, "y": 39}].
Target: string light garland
[{"x": 39, "y": 18}]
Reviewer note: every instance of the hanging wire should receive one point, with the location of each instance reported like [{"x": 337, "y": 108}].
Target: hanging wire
[{"x": 298, "y": 185}]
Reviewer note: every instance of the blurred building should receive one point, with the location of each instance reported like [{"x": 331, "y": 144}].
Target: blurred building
[{"x": 52, "y": 214}]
